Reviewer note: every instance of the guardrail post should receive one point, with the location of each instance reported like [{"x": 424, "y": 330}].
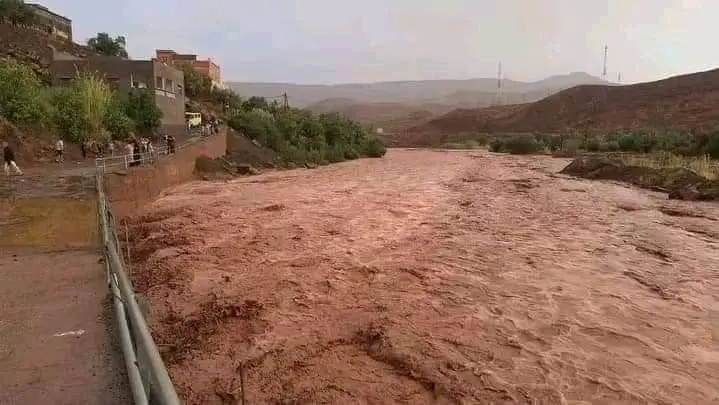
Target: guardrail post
[{"x": 149, "y": 379}]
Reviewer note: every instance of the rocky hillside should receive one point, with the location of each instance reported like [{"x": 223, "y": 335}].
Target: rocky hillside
[
  {"x": 480, "y": 91},
  {"x": 35, "y": 48},
  {"x": 681, "y": 103}
]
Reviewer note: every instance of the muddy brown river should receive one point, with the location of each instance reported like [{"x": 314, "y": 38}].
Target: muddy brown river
[{"x": 432, "y": 277}]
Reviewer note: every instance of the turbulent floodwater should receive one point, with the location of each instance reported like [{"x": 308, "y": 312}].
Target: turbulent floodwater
[{"x": 431, "y": 277}]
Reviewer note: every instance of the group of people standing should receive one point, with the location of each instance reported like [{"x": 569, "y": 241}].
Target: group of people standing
[{"x": 140, "y": 150}]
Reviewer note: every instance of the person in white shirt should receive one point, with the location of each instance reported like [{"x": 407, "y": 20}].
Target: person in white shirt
[{"x": 59, "y": 151}]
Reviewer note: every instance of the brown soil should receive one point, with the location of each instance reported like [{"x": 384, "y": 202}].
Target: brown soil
[
  {"x": 687, "y": 102},
  {"x": 431, "y": 277},
  {"x": 35, "y": 48},
  {"x": 680, "y": 183},
  {"x": 241, "y": 150}
]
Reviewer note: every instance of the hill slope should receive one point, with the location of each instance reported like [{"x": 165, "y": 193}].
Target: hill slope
[
  {"x": 680, "y": 102},
  {"x": 426, "y": 91},
  {"x": 392, "y": 117},
  {"x": 35, "y": 48}
]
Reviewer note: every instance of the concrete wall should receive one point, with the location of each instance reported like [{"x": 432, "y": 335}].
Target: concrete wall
[
  {"x": 129, "y": 192},
  {"x": 170, "y": 94},
  {"x": 166, "y": 81},
  {"x": 56, "y": 24}
]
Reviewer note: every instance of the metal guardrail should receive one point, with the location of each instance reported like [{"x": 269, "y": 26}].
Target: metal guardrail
[
  {"x": 125, "y": 161},
  {"x": 149, "y": 380}
]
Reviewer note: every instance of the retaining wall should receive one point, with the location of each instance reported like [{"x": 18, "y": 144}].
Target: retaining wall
[{"x": 131, "y": 190}]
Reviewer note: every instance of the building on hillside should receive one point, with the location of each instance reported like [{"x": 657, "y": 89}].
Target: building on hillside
[
  {"x": 166, "y": 81},
  {"x": 55, "y": 24},
  {"x": 205, "y": 67}
]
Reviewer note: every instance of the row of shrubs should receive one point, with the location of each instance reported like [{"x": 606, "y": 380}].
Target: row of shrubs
[
  {"x": 85, "y": 109},
  {"x": 679, "y": 143},
  {"x": 302, "y": 137}
]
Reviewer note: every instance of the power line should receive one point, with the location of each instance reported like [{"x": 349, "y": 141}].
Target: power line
[
  {"x": 498, "y": 100},
  {"x": 604, "y": 69}
]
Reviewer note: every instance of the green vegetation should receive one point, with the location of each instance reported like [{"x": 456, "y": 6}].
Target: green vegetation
[
  {"x": 199, "y": 87},
  {"x": 517, "y": 145},
  {"x": 701, "y": 165},
  {"x": 679, "y": 143},
  {"x": 301, "y": 137},
  {"x": 23, "y": 100},
  {"x": 476, "y": 142},
  {"x": 104, "y": 44},
  {"x": 662, "y": 152},
  {"x": 87, "y": 109}
]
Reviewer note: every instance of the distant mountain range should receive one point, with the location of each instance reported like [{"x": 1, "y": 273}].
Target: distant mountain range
[{"x": 457, "y": 93}]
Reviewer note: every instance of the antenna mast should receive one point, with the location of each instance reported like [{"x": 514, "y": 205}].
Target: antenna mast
[
  {"x": 604, "y": 70},
  {"x": 498, "y": 101}
]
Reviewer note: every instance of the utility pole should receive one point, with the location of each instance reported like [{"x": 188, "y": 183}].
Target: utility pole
[
  {"x": 604, "y": 69},
  {"x": 498, "y": 100}
]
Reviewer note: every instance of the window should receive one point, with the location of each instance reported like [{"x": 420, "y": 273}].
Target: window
[
  {"x": 158, "y": 82},
  {"x": 169, "y": 85}
]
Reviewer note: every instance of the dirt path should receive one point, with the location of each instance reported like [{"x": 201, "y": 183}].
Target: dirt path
[{"x": 433, "y": 277}]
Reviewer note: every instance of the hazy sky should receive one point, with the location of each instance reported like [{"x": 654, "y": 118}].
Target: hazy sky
[{"x": 331, "y": 41}]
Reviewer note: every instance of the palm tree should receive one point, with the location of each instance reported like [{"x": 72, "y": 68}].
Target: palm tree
[{"x": 108, "y": 46}]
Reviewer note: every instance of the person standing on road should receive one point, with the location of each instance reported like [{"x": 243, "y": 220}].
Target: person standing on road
[
  {"x": 171, "y": 144},
  {"x": 59, "y": 151},
  {"x": 8, "y": 156}
]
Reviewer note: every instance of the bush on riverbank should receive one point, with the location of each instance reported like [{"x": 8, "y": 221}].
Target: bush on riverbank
[
  {"x": 678, "y": 143},
  {"x": 658, "y": 172},
  {"x": 516, "y": 145},
  {"x": 300, "y": 137}
]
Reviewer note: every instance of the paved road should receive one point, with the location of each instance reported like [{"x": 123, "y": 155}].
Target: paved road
[{"x": 57, "y": 345}]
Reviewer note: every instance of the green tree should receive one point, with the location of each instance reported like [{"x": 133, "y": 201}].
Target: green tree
[
  {"x": 104, "y": 44},
  {"x": 143, "y": 111},
  {"x": 196, "y": 84},
  {"x": 23, "y": 100},
  {"x": 299, "y": 136},
  {"x": 116, "y": 121},
  {"x": 97, "y": 97},
  {"x": 81, "y": 110},
  {"x": 67, "y": 114},
  {"x": 255, "y": 102},
  {"x": 712, "y": 146}
]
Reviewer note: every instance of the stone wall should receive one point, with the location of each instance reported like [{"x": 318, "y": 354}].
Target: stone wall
[{"x": 130, "y": 191}]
